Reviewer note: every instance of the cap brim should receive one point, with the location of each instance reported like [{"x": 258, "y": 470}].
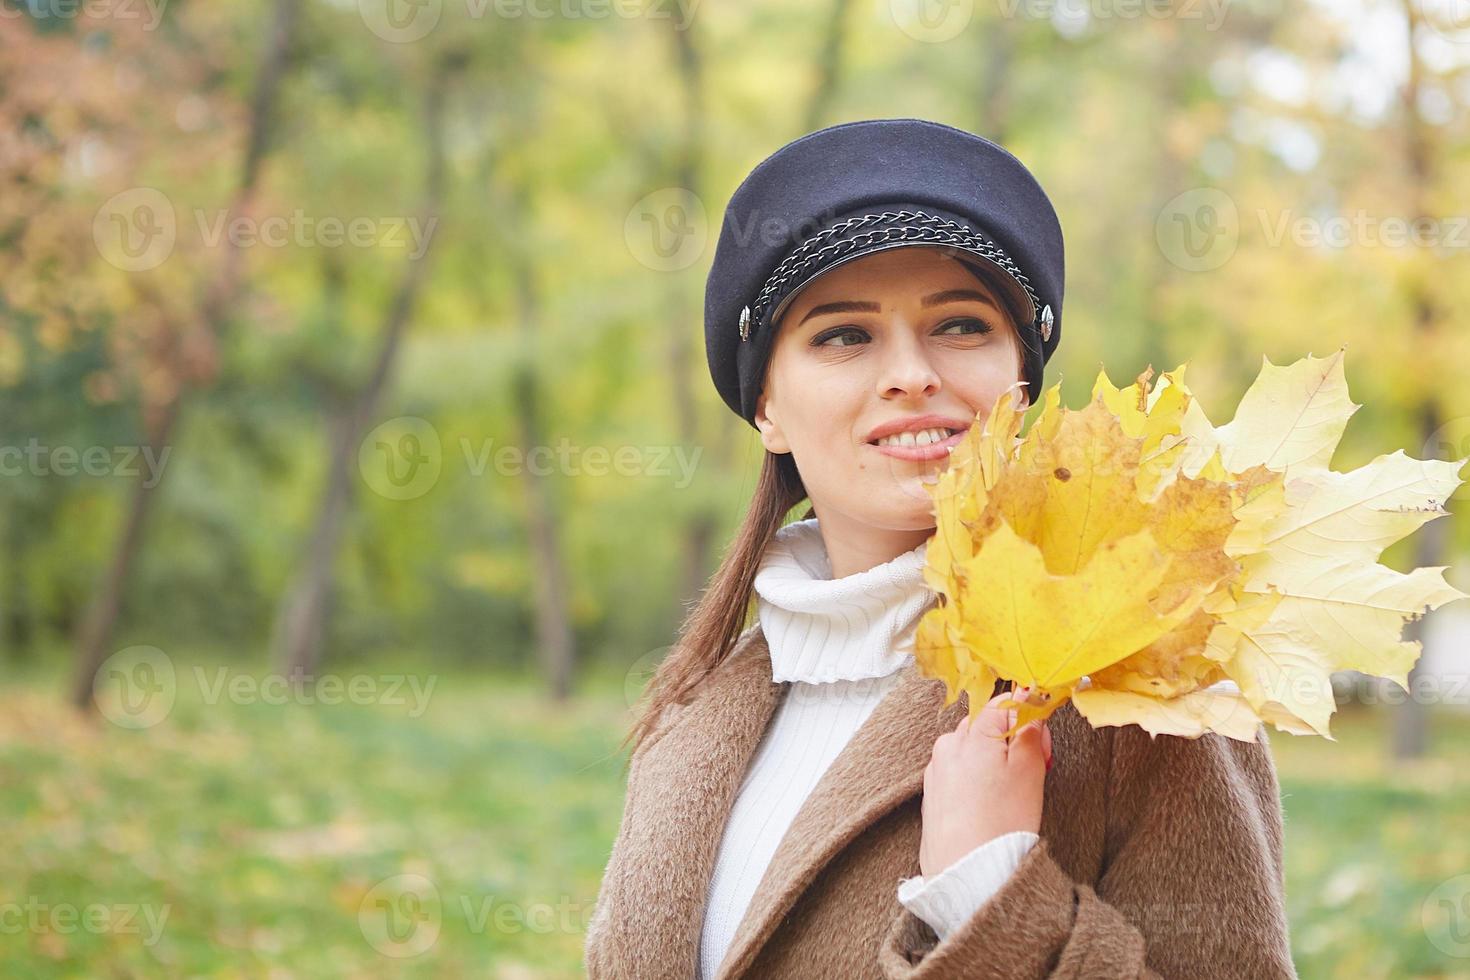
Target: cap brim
[{"x": 995, "y": 276}]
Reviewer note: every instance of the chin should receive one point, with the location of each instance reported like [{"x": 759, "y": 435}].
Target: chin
[{"x": 908, "y": 509}]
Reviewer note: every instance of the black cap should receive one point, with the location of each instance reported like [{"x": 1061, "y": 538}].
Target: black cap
[{"x": 862, "y": 187}]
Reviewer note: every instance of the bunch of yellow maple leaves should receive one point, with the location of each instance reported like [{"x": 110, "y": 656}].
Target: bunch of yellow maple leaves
[{"x": 1156, "y": 570}]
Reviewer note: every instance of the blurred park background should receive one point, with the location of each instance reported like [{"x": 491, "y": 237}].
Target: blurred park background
[{"x": 358, "y": 456}]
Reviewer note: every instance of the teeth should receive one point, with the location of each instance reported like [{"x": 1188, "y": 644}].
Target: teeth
[{"x": 923, "y": 437}]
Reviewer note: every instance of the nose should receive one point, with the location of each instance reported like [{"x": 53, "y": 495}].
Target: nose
[{"x": 906, "y": 369}]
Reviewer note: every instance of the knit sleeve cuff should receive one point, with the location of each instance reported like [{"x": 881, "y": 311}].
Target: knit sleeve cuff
[{"x": 947, "y": 899}]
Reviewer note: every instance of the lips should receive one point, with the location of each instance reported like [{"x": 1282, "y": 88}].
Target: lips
[
  {"x": 919, "y": 423},
  {"x": 934, "y": 450}
]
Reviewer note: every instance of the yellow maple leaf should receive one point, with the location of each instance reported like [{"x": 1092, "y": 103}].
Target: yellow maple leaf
[
  {"x": 1052, "y": 561},
  {"x": 1157, "y": 570}
]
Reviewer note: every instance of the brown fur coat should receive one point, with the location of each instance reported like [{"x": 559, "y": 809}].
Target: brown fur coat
[{"x": 1159, "y": 857}]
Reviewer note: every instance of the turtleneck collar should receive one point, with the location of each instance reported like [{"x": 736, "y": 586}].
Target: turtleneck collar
[{"x": 822, "y": 629}]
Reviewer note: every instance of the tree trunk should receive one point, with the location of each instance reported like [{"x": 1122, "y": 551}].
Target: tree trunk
[
  {"x": 301, "y": 623},
  {"x": 301, "y": 628},
  {"x": 829, "y": 65},
  {"x": 554, "y": 643},
  {"x": 702, "y": 523},
  {"x": 1410, "y": 720},
  {"x": 17, "y": 616},
  {"x": 94, "y": 636},
  {"x": 698, "y": 527}
]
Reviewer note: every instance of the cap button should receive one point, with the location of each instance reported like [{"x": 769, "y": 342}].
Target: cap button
[
  {"x": 745, "y": 323},
  {"x": 1046, "y": 322}
]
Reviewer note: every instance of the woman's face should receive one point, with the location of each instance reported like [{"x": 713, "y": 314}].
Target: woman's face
[{"x": 883, "y": 340}]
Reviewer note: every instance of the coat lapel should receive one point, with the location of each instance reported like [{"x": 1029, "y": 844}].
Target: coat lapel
[
  {"x": 686, "y": 784},
  {"x": 881, "y": 767}
]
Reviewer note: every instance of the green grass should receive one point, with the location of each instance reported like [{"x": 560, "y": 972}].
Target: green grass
[
  {"x": 274, "y": 836},
  {"x": 263, "y": 830},
  {"x": 1368, "y": 842}
]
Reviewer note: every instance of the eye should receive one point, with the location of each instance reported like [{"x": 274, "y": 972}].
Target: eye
[
  {"x": 977, "y": 326},
  {"x": 820, "y": 340}
]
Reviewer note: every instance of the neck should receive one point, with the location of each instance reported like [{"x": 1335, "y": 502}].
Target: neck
[
  {"x": 853, "y": 547},
  {"x": 821, "y": 628}
]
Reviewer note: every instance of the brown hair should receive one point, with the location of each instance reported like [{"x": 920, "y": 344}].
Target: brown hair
[{"x": 724, "y": 609}]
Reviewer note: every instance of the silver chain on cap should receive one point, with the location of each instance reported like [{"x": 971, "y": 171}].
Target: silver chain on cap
[{"x": 818, "y": 250}]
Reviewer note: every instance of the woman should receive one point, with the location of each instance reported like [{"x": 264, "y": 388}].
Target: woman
[{"x": 801, "y": 802}]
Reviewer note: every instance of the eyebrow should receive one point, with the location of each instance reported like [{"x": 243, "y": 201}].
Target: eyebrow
[{"x": 934, "y": 299}]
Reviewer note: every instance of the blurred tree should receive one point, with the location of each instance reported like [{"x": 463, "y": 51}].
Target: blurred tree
[
  {"x": 303, "y": 612},
  {"x": 1422, "y": 154},
  {"x": 94, "y": 637},
  {"x": 534, "y": 326}
]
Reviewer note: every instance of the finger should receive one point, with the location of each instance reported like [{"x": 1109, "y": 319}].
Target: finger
[
  {"x": 1018, "y": 694},
  {"x": 1026, "y": 748},
  {"x": 1037, "y": 705},
  {"x": 993, "y": 720}
]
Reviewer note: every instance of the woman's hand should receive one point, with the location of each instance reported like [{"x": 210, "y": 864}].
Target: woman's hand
[{"x": 978, "y": 787}]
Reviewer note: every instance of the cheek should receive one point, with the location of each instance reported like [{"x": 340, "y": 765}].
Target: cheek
[
  {"x": 825, "y": 402},
  {"x": 978, "y": 381}
]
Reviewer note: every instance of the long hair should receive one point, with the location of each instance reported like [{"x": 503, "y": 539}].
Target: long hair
[{"x": 724, "y": 610}]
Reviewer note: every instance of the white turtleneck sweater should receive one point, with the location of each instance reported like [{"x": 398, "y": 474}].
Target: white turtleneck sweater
[{"x": 839, "y": 645}]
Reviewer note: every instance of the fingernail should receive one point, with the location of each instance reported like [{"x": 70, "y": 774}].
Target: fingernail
[{"x": 1048, "y": 763}]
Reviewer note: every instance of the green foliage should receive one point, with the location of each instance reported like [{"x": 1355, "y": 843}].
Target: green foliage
[{"x": 549, "y": 146}]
